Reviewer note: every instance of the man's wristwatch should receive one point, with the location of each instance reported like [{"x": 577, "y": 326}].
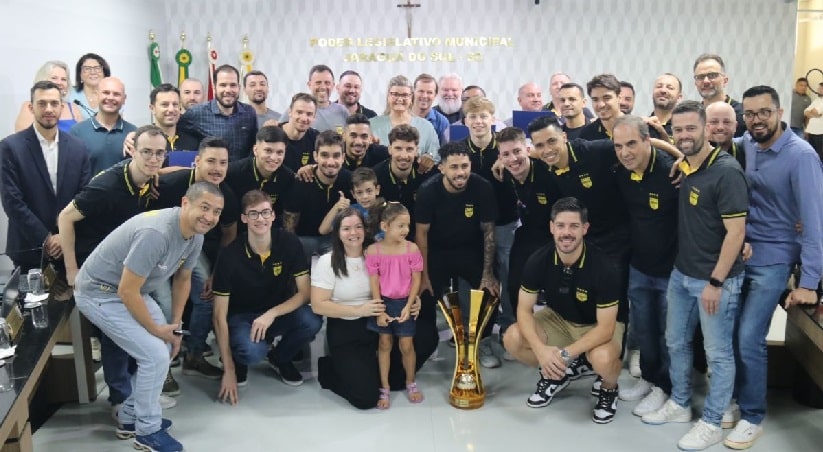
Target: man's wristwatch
[
  {"x": 567, "y": 358},
  {"x": 714, "y": 282}
]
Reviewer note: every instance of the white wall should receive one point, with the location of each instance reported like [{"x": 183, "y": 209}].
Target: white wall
[
  {"x": 634, "y": 39},
  {"x": 35, "y": 31}
]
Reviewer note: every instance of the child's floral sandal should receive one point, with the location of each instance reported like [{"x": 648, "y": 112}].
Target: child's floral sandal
[{"x": 413, "y": 393}]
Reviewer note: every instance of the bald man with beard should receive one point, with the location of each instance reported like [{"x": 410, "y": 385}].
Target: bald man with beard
[{"x": 721, "y": 124}]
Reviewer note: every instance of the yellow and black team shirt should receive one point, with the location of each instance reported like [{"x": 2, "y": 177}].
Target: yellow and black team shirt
[
  {"x": 300, "y": 153},
  {"x": 535, "y": 197},
  {"x": 482, "y": 162},
  {"x": 394, "y": 189},
  {"x": 110, "y": 198},
  {"x": 243, "y": 176},
  {"x": 710, "y": 193},
  {"x": 578, "y": 291},
  {"x": 375, "y": 154},
  {"x": 257, "y": 283},
  {"x": 313, "y": 200},
  {"x": 651, "y": 200},
  {"x": 590, "y": 177}
]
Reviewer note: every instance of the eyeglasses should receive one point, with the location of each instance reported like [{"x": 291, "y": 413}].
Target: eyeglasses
[
  {"x": 762, "y": 114},
  {"x": 399, "y": 95},
  {"x": 712, "y": 76},
  {"x": 265, "y": 214},
  {"x": 90, "y": 69},
  {"x": 148, "y": 154}
]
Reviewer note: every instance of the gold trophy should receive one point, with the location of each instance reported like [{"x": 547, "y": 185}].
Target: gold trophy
[{"x": 467, "y": 390}]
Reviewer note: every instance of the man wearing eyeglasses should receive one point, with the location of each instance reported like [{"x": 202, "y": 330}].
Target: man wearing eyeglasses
[
  {"x": 786, "y": 181},
  {"x": 583, "y": 314},
  {"x": 105, "y": 132},
  {"x": 111, "y": 198},
  {"x": 710, "y": 79},
  {"x": 261, "y": 288},
  {"x": 210, "y": 165}
]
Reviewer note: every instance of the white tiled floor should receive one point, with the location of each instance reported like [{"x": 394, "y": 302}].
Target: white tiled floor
[{"x": 273, "y": 416}]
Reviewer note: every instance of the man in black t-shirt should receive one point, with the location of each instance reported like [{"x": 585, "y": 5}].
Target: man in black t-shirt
[
  {"x": 301, "y": 135},
  {"x": 583, "y": 314},
  {"x": 651, "y": 200},
  {"x": 455, "y": 225},
  {"x": 310, "y": 201},
  {"x": 261, "y": 288}
]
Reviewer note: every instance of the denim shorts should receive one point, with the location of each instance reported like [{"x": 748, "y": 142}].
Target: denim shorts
[{"x": 394, "y": 306}]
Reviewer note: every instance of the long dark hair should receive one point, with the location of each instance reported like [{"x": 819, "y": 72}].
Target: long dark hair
[{"x": 338, "y": 252}]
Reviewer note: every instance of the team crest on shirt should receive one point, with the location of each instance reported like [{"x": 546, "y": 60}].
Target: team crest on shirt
[
  {"x": 469, "y": 210},
  {"x": 277, "y": 268},
  {"x": 654, "y": 201},
  {"x": 586, "y": 180},
  {"x": 582, "y": 295},
  {"x": 339, "y": 130},
  {"x": 305, "y": 159},
  {"x": 541, "y": 199},
  {"x": 694, "y": 195}
]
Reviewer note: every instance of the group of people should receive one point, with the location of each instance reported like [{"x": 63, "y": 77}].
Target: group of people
[{"x": 594, "y": 229}]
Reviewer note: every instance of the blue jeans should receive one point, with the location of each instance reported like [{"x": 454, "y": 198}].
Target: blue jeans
[
  {"x": 503, "y": 240},
  {"x": 200, "y": 322},
  {"x": 684, "y": 312},
  {"x": 142, "y": 406},
  {"x": 297, "y": 328},
  {"x": 649, "y": 306},
  {"x": 762, "y": 288}
]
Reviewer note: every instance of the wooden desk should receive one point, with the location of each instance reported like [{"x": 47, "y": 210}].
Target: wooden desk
[{"x": 34, "y": 348}]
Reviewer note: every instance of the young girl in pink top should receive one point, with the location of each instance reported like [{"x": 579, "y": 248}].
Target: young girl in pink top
[{"x": 394, "y": 265}]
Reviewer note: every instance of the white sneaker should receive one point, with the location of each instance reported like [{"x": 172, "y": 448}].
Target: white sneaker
[
  {"x": 744, "y": 435},
  {"x": 167, "y": 402},
  {"x": 634, "y": 363},
  {"x": 669, "y": 412},
  {"x": 487, "y": 357},
  {"x": 731, "y": 415},
  {"x": 636, "y": 392},
  {"x": 701, "y": 436},
  {"x": 653, "y": 401}
]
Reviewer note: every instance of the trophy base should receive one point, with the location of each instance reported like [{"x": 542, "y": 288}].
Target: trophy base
[{"x": 466, "y": 403}]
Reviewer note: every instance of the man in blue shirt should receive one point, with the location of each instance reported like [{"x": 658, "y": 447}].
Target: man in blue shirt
[
  {"x": 223, "y": 116},
  {"x": 425, "y": 91},
  {"x": 786, "y": 180}
]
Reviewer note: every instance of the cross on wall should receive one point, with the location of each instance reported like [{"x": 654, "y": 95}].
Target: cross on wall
[{"x": 409, "y": 18}]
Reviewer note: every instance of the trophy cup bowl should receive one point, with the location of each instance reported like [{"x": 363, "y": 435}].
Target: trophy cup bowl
[{"x": 467, "y": 390}]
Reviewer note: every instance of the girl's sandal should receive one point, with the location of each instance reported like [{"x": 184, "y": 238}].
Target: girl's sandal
[
  {"x": 413, "y": 393},
  {"x": 383, "y": 402}
]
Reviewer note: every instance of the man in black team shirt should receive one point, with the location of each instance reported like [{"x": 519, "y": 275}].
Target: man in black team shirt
[
  {"x": 584, "y": 313},
  {"x": 302, "y": 137},
  {"x": 478, "y": 115},
  {"x": 455, "y": 225},
  {"x": 710, "y": 79},
  {"x": 572, "y": 102},
  {"x": 264, "y": 170},
  {"x": 360, "y": 151},
  {"x": 651, "y": 199},
  {"x": 309, "y": 202},
  {"x": 604, "y": 90},
  {"x": 399, "y": 177},
  {"x": 210, "y": 166},
  {"x": 666, "y": 93},
  {"x": 721, "y": 125}
]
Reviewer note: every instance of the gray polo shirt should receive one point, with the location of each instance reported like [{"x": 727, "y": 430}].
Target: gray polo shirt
[
  {"x": 332, "y": 117},
  {"x": 799, "y": 103},
  {"x": 269, "y": 114},
  {"x": 150, "y": 245},
  {"x": 716, "y": 191}
]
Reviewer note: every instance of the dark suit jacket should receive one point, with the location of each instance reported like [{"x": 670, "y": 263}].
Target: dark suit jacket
[{"x": 28, "y": 198}]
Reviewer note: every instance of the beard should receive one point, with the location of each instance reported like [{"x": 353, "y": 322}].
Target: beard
[{"x": 450, "y": 107}]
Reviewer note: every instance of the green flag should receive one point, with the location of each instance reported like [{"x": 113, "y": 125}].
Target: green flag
[{"x": 154, "y": 58}]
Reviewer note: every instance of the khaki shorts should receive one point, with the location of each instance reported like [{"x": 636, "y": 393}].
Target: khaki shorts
[{"x": 561, "y": 333}]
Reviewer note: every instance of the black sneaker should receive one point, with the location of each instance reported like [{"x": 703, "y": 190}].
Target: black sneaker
[
  {"x": 606, "y": 407},
  {"x": 596, "y": 385},
  {"x": 241, "y": 373},
  {"x": 170, "y": 386},
  {"x": 579, "y": 368},
  {"x": 287, "y": 372},
  {"x": 545, "y": 392},
  {"x": 200, "y": 367}
]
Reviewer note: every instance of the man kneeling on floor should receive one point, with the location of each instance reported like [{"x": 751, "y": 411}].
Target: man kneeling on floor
[
  {"x": 583, "y": 314},
  {"x": 261, "y": 288}
]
